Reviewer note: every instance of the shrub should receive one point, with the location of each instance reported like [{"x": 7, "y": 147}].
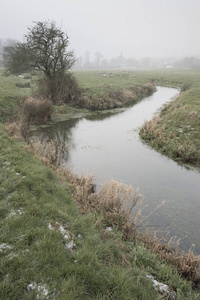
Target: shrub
[
  {"x": 34, "y": 111},
  {"x": 185, "y": 86},
  {"x": 60, "y": 90}
]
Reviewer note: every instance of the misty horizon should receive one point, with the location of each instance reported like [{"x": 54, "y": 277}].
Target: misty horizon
[{"x": 137, "y": 29}]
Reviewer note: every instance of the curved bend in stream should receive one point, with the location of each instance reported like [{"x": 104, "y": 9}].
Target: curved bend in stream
[{"x": 110, "y": 146}]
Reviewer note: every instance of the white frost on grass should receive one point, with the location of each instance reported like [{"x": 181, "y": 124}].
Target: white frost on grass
[
  {"x": 162, "y": 288},
  {"x": 70, "y": 246},
  {"x": 50, "y": 226},
  {"x": 15, "y": 212},
  {"x": 4, "y": 247},
  {"x": 66, "y": 235},
  {"x": 41, "y": 289},
  {"x": 109, "y": 229}
]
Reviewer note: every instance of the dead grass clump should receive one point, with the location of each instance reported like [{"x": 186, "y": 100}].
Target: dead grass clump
[
  {"x": 187, "y": 264},
  {"x": 14, "y": 130},
  {"x": 167, "y": 141},
  {"x": 36, "y": 111},
  {"x": 50, "y": 153},
  {"x": 193, "y": 114},
  {"x": 116, "y": 200},
  {"x": 150, "y": 127}
]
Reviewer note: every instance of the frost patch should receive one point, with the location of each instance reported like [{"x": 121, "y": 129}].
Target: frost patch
[
  {"x": 162, "y": 288},
  {"x": 109, "y": 229},
  {"x": 4, "y": 247},
  {"x": 70, "y": 245},
  {"x": 12, "y": 255},
  {"x": 41, "y": 289},
  {"x": 17, "y": 212}
]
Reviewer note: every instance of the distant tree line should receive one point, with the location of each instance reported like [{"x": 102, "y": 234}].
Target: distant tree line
[{"x": 98, "y": 61}]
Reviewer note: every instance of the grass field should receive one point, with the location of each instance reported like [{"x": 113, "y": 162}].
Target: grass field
[{"x": 48, "y": 248}]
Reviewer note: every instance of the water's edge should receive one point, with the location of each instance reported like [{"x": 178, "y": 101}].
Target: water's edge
[{"x": 108, "y": 145}]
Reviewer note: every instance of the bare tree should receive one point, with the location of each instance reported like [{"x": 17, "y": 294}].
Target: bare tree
[{"x": 45, "y": 50}]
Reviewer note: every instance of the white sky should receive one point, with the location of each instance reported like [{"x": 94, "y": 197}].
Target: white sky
[{"x": 137, "y": 28}]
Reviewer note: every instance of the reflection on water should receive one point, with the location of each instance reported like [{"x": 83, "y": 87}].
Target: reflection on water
[{"x": 109, "y": 146}]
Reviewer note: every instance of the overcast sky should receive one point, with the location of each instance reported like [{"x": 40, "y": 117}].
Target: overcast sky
[{"x": 137, "y": 28}]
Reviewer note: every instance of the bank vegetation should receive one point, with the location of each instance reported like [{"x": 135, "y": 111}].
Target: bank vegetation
[{"x": 60, "y": 237}]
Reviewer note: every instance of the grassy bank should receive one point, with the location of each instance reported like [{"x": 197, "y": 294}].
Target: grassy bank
[
  {"x": 10, "y": 95},
  {"x": 176, "y": 131},
  {"x": 107, "y": 90},
  {"x": 49, "y": 249}
]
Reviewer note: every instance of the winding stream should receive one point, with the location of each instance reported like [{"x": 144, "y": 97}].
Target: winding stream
[{"x": 110, "y": 146}]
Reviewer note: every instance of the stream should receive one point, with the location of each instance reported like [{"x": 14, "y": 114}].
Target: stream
[{"x": 108, "y": 145}]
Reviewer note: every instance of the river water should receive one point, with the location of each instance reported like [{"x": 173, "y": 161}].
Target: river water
[{"x": 108, "y": 145}]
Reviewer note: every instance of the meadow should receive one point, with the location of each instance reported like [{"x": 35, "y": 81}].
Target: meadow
[{"x": 52, "y": 244}]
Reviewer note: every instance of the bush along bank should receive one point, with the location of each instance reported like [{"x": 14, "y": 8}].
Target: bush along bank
[{"x": 176, "y": 131}]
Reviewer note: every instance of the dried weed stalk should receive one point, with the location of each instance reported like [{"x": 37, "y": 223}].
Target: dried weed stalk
[
  {"x": 187, "y": 264},
  {"x": 50, "y": 153},
  {"x": 14, "y": 130},
  {"x": 116, "y": 200}
]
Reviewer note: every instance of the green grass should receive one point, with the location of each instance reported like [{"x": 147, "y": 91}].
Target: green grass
[
  {"x": 111, "y": 89},
  {"x": 101, "y": 266},
  {"x": 10, "y": 95},
  {"x": 34, "y": 259},
  {"x": 177, "y": 132},
  {"x": 176, "y": 78}
]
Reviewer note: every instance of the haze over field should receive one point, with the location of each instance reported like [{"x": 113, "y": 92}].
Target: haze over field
[{"x": 136, "y": 28}]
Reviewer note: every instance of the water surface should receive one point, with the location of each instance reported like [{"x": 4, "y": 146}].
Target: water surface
[{"x": 110, "y": 146}]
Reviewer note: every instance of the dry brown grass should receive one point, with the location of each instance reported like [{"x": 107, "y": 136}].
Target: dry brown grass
[
  {"x": 116, "y": 200},
  {"x": 115, "y": 98},
  {"x": 34, "y": 111},
  {"x": 50, "y": 153},
  {"x": 187, "y": 264},
  {"x": 14, "y": 130},
  {"x": 166, "y": 141}
]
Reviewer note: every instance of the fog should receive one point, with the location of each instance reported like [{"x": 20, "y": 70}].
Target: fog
[{"x": 136, "y": 28}]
